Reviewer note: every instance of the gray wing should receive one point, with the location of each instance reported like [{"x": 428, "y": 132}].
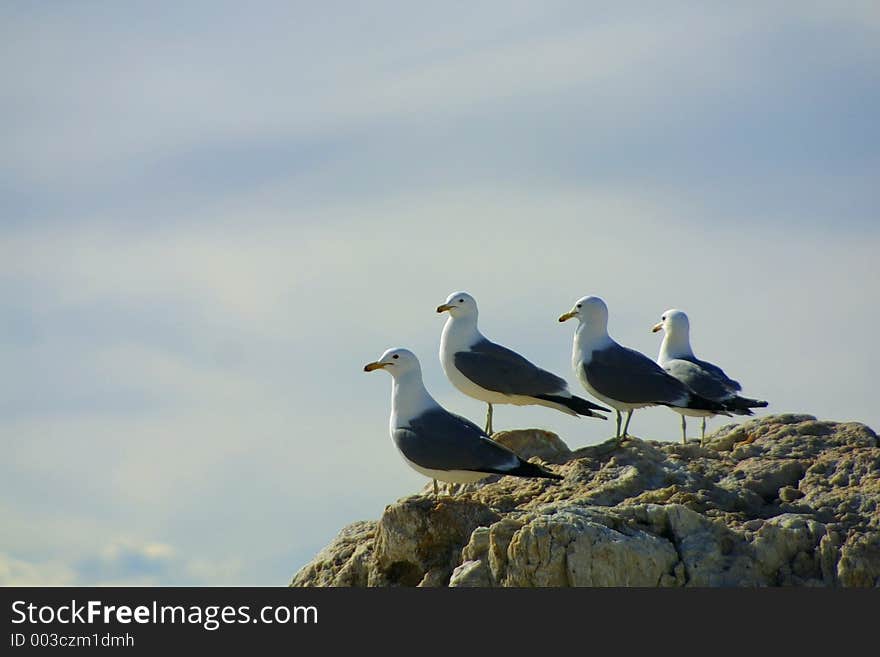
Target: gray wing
[
  {"x": 704, "y": 382},
  {"x": 626, "y": 375},
  {"x": 499, "y": 369},
  {"x": 440, "y": 440},
  {"x": 715, "y": 371}
]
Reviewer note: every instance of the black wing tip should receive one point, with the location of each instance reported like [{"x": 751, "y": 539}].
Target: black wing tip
[
  {"x": 577, "y": 404},
  {"x": 742, "y": 405},
  {"x": 591, "y": 405},
  {"x": 529, "y": 469},
  {"x": 697, "y": 402}
]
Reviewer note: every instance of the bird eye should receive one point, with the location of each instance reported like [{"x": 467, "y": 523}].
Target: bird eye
[
  {"x": 396, "y": 356},
  {"x": 461, "y": 300},
  {"x": 579, "y": 305}
]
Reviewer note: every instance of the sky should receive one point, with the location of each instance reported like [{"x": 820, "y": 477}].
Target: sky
[{"x": 213, "y": 214}]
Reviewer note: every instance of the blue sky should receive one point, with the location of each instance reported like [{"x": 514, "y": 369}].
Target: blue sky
[{"x": 213, "y": 216}]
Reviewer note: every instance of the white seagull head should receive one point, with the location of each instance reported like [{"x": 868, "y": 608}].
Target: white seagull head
[
  {"x": 591, "y": 311},
  {"x": 674, "y": 322},
  {"x": 396, "y": 362},
  {"x": 459, "y": 304}
]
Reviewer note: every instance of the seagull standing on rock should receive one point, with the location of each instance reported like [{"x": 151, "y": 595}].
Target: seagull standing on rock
[
  {"x": 494, "y": 374},
  {"x": 621, "y": 377},
  {"x": 439, "y": 444},
  {"x": 706, "y": 379}
]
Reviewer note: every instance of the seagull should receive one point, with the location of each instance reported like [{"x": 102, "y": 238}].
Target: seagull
[
  {"x": 494, "y": 374},
  {"x": 439, "y": 444},
  {"x": 621, "y": 377},
  {"x": 706, "y": 379}
]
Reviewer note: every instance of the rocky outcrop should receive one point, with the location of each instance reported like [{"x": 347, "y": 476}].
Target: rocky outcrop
[{"x": 783, "y": 500}]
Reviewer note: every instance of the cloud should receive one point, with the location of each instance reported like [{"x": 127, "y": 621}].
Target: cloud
[
  {"x": 126, "y": 560},
  {"x": 122, "y": 562},
  {"x": 18, "y": 572},
  {"x": 615, "y": 73}
]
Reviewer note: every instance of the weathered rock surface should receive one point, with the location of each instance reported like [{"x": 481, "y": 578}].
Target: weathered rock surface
[{"x": 782, "y": 500}]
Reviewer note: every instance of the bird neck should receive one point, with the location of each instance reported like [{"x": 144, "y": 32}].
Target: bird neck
[
  {"x": 675, "y": 345},
  {"x": 409, "y": 398},
  {"x": 459, "y": 333},
  {"x": 589, "y": 337}
]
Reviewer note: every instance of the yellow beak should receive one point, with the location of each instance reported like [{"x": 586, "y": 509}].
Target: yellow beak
[
  {"x": 567, "y": 316},
  {"x": 657, "y": 327},
  {"x": 369, "y": 367},
  {"x": 442, "y": 308}
]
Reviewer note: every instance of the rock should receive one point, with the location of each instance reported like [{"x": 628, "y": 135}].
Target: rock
[
  {"x": 859, "y": 563},
  {"x": 471, "y": 573},
  {"x": 765, "y": 476},
  {"x": 785, "y": 549},
  {"x": 789, "y": 494},
  {"x": 345, "y": 562},
  {"x": 530, "y": 443},
  {"x": 778, "y": 501},
  {"x": 419, "y": 539},
  {"x": 569, "y": 548}
]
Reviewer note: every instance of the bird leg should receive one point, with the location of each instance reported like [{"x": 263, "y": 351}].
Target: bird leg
[
  {"x": 703, "y": 432},
  {"x": 629, "y": 415},
  {"x": 489, "y": 420},
  {"x": 436, "y": 492},
  {"x": 684, "y": 439},
  {"x": 617, "y": 435},
  {"x": 451, "y": 488}
]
